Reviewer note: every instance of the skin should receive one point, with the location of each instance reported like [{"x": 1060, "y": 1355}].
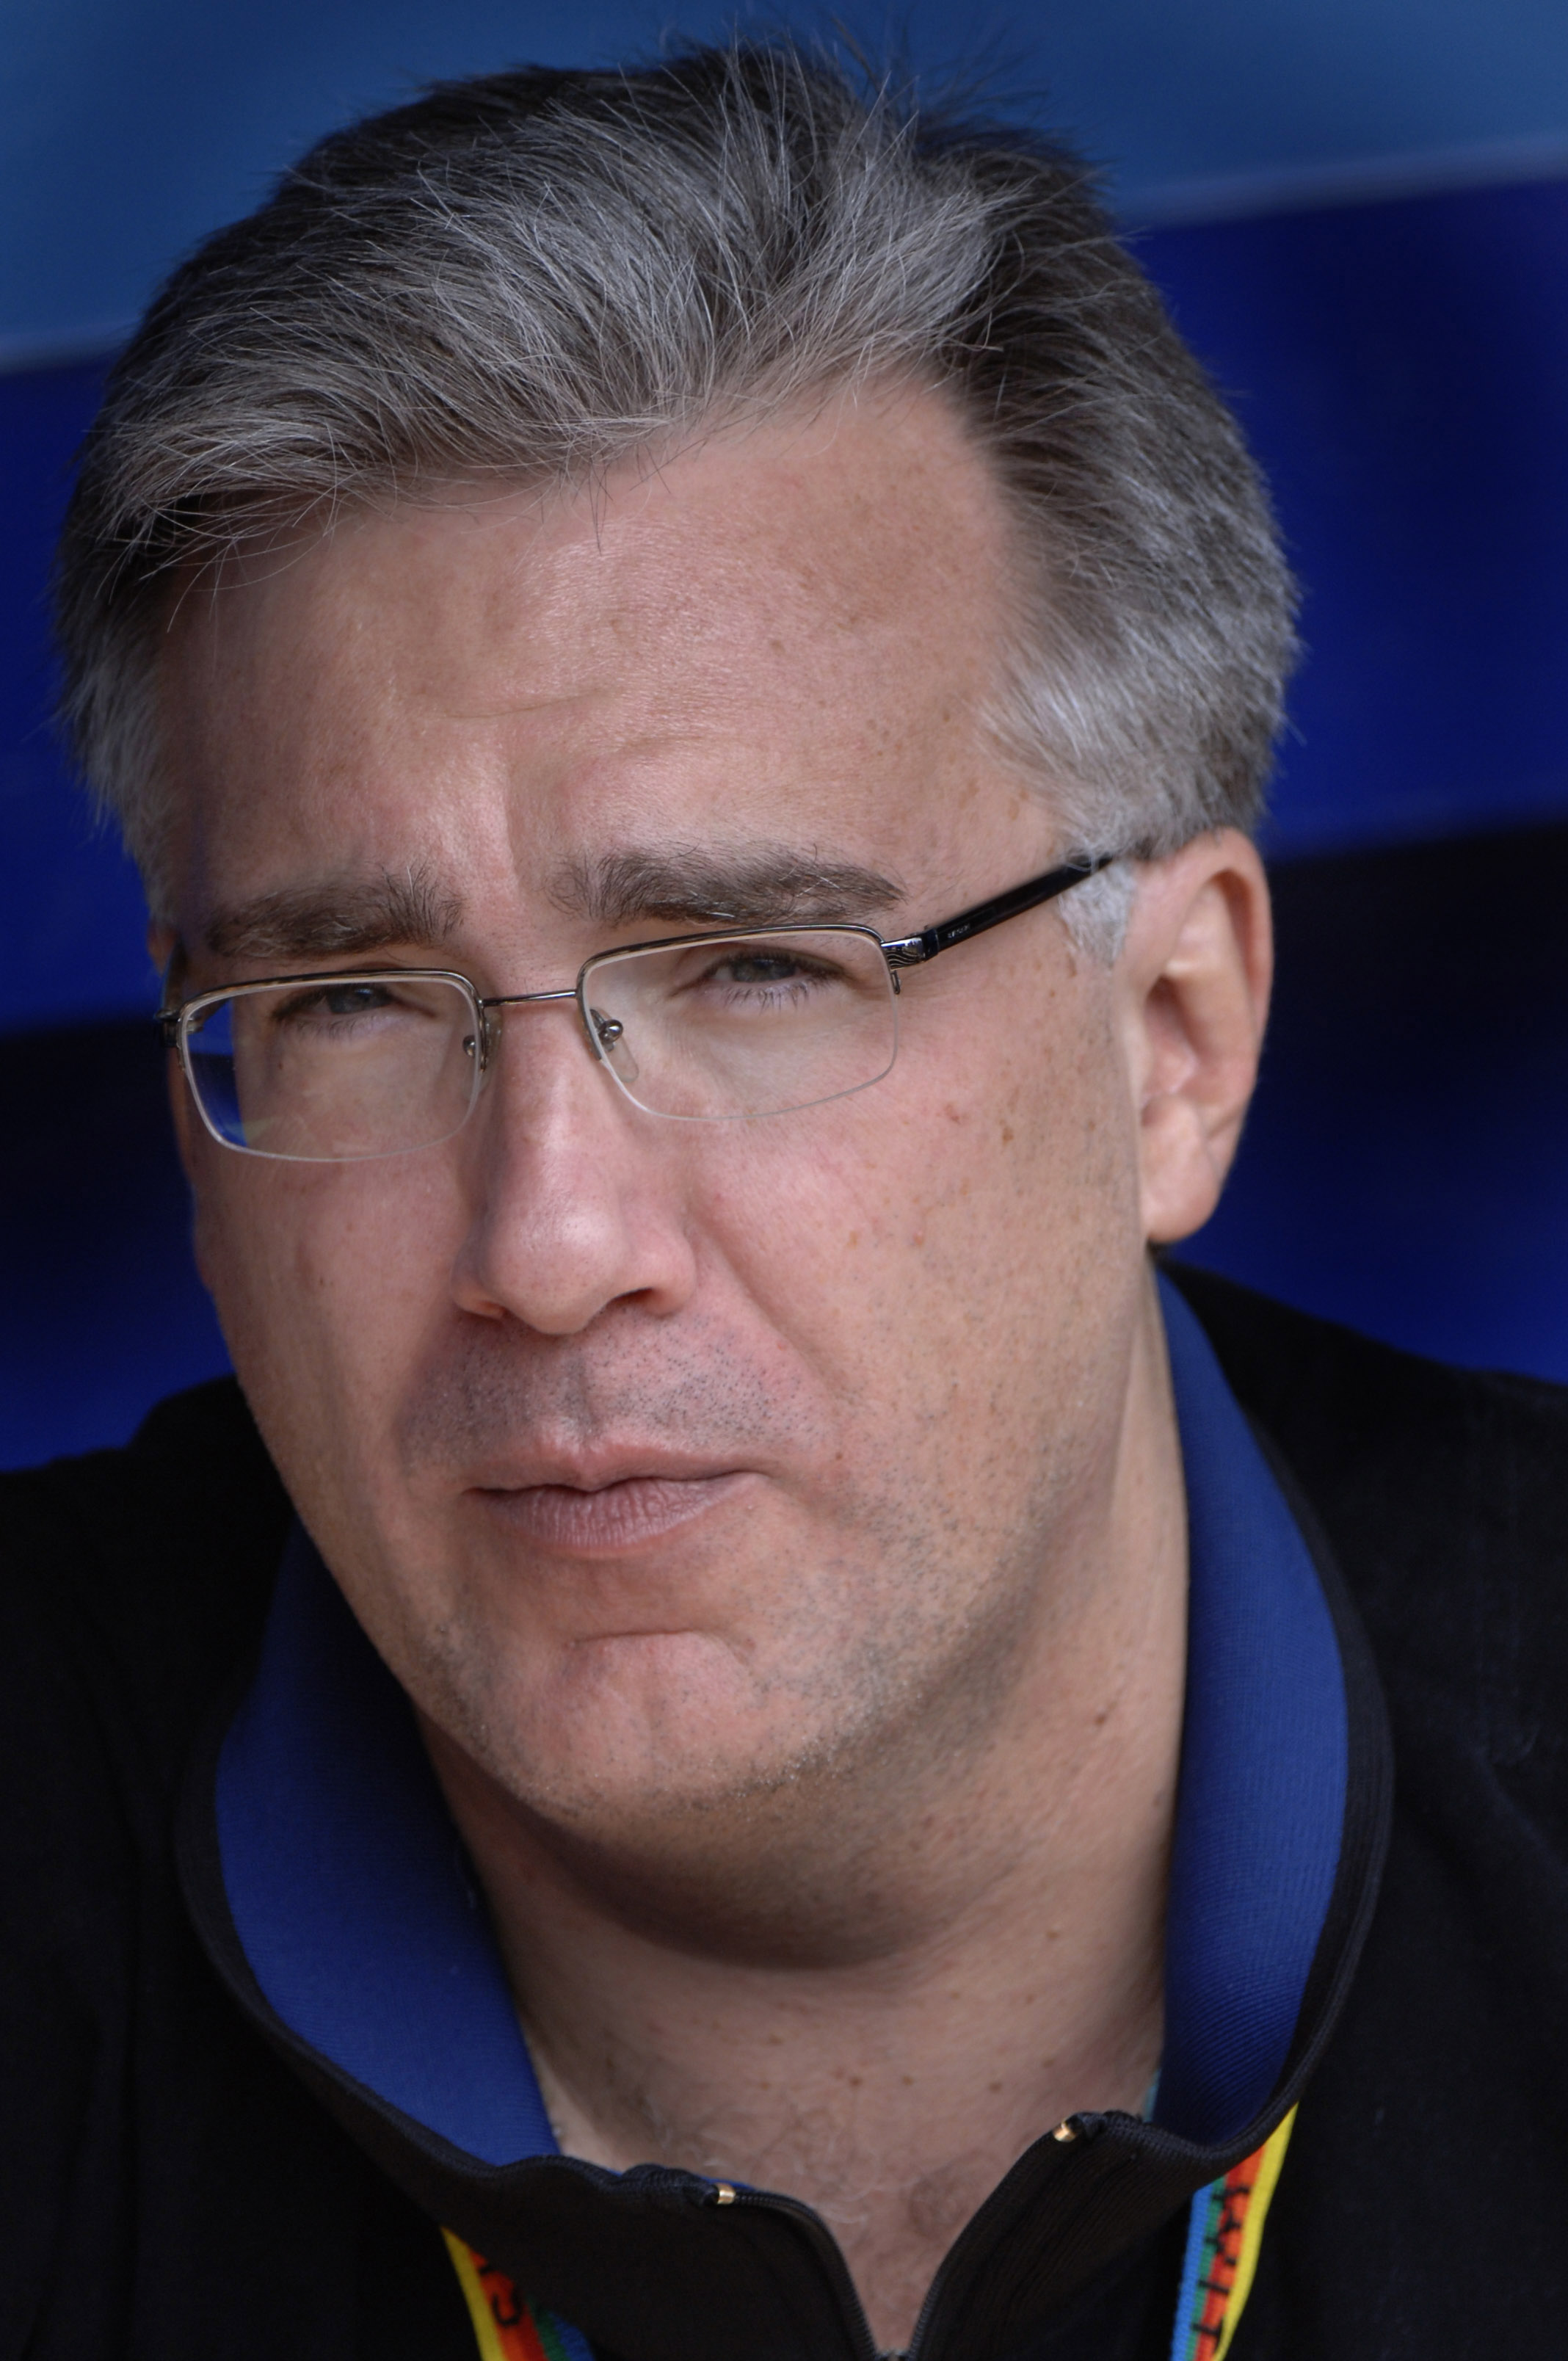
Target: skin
[{"x": 779, "y": 1526}]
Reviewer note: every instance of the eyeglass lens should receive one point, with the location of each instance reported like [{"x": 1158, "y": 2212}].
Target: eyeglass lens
[
  {"x": 753, "y": 1024},
  {"x": 351, "y": 1067},
  {"x": 372, "y": 1065}
]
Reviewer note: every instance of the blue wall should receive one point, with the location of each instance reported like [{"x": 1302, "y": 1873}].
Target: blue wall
[
  {"x": 127, "y": 131},
  {"x": 1380, "y": 283}
]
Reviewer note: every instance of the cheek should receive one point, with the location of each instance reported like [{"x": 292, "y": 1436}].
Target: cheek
[
  {"x": 327, "y": 1281},
  {"x": 926, "y": 1240}
]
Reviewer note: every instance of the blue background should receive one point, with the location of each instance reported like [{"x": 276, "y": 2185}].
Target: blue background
[{"x": 1360, "y": 216}]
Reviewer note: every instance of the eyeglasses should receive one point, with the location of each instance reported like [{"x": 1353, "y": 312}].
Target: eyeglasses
[{"x": 705, "y": 1028}]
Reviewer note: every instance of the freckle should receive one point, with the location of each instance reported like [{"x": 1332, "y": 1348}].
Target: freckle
[
  {"x": 855, "y": 2081},
  {"x": 996, "y": 2086},
  {"x": 908, "y": 2081},
  {"x": 1103, "y": 1715},
  {"x": 854, "y": 1238},
  {"x": 1006, "y": 1138}
]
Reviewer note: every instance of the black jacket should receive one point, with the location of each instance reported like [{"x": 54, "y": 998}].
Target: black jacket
[{"x": 177, "y": 2184}]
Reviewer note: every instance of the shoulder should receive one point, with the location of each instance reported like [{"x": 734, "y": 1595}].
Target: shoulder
[
  {"x": 1445, "y": 1496},
  {"x": 133, "y": 1581},
  {"x": 1444, "y": 1493},
  {"x": 1399, "y": 1453}
]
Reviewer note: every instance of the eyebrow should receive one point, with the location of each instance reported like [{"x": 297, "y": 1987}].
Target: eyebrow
[
  {"x": 341, "y": 916},
  {"x": 693, "y": 885},
  {"x": 347, "y": 916}
]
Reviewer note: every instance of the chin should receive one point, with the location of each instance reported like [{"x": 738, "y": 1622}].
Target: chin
[
  {"x": 749, "y": 1863},
  {"x": 661, "y": 1784},
  {"x": 636, "y": 1726}
]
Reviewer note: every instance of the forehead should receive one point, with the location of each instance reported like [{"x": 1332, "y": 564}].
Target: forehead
[{"x": 786, "y": 633}]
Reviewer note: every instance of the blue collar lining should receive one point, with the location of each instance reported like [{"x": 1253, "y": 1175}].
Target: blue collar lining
[
  {"x": 364, "y": 1928},
  {"x": 1260, "y": 1806},
  {"x": 350, "y": 1889}
]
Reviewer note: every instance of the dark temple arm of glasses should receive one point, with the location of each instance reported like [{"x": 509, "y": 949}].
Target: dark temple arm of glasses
[{"x": 909, "y": 951}]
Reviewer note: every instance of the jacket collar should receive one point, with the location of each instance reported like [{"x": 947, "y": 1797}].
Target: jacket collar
[{"x": 335, "y": 1901}]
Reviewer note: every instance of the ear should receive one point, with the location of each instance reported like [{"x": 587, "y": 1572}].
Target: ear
[{"x": 1193, "y": 985}]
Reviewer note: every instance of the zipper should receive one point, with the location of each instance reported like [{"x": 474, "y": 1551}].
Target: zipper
[
  {"x": 1067, "y": 2134},
  {"x": 830, "y": 2254}
]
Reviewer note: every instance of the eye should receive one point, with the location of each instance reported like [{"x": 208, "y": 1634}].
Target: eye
[
  {"x": 339, "y": 1001},
  {"x": 355, "y": 999},
  {"x": 768, "y": 973},
  {"x": 767, "y": 967}
]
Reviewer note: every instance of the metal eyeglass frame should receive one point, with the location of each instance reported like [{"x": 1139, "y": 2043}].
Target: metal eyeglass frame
[{"x": 900, "y": 951}]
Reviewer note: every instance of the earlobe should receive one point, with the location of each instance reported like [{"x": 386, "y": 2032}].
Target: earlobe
[{"x": 1197, "y": 971}]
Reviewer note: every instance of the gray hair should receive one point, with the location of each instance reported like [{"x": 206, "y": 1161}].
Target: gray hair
[{"x": 535, "y": 275}]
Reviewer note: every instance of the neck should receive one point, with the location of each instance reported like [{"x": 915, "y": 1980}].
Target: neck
[{"x": 995, "y": 1957}]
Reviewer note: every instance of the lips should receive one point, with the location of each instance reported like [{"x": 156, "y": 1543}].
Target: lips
[{"x": 626, "y": 1513}]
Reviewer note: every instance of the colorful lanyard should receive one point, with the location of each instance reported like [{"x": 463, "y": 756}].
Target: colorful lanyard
[
  {"x": 509, "y": 2328},
  {"x": 1223, "y": 2236}
]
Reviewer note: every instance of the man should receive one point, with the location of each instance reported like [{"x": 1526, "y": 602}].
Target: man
[{"x": 754, "y": 1754}]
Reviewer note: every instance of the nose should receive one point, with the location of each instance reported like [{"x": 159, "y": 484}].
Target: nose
[{"x": 574, "y": 1197}]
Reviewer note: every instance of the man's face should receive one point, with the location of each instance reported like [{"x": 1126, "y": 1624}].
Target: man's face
[{"x": 673, "y": 1466}]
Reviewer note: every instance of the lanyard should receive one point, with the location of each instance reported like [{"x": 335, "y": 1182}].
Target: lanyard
[
  {"x": 507, "y": 2326},
  {"x": 1224, "y": 2233}
]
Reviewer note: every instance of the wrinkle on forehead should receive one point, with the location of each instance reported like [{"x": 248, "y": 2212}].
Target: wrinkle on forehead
[{"x": 802, "y": 623}]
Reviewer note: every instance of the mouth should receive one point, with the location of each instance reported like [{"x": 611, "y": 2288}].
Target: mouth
[{"x": 605, "y": 1519}]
